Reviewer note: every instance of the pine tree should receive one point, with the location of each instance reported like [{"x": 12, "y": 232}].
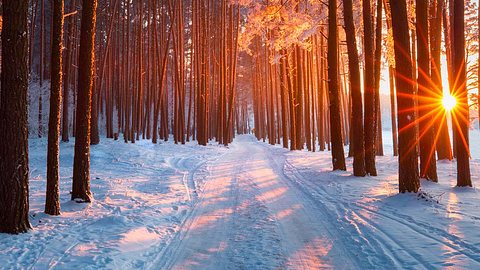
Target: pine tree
[
  {"x": 81, "y": 163},
  {"x": 408, "y": 165},
  {"x": 14, "y": 201},
  {"x": 357, "y": 106},
  {"x": 369, "y": 89},
  {"x": 377, "y": 72},
  {"x": 338, "y": 156},
  {"x": 66, "y": 74},
  {"x": 443, "y": 145},
  {"x": 52, "y": 205},
  {"x": 461, "y": 113},
  {"x": 42, "y": 70},
  {"x": 428, "y": 166}
]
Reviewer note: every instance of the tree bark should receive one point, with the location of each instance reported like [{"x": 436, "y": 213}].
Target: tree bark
[
  {"x": 66, "y": 75},
  {"x": 338, "y": 156},
  {"x": 357, "y": 107},
  {"x": 408, "y": 164},
  {"x": 369, "y": 90},
  {"x": 81, "y": 163},
  {"x": 443, "y": 145},
  {"x": 283, "y": 97},
  {"x": 42, "y": 70},
  {"x": 14, "y": 168},
  {"x": 460, "y": 115},
  {"x": 393, "y": 109},
  {"x": 428, "y": 165},
  {"x": 378, "y": 69},
  {"x": 52, "y": 204},
  {"x": 299, "y": 97}
]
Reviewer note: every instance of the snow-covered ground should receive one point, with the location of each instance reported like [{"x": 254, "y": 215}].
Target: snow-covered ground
[
  {"x": 143, "y": 192},
  {"x": 249, "y": 206}
]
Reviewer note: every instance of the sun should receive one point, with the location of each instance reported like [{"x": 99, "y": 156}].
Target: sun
[{"x": 449, "y": 102}]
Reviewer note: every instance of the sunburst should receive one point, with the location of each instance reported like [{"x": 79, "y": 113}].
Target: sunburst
[{"x": 449, "y": 102}]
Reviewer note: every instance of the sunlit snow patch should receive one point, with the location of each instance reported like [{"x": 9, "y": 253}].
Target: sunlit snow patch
[{"x": 137, "y": 240}]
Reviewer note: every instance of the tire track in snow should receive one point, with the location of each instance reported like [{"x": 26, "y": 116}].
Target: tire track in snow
[
  {"x": 455, "y": 243},
  {"x": 249, "y": 236},
  {"x": 166, "y": 254},
  {"x": 188, "y": 172},
  {"x": 335, "y": 232},
  {"x": 240, "y": 238},
  {"x": 255, "y": 235},
  {"x": 337, "y": 202},
  {"x": 419, "y": 229}
]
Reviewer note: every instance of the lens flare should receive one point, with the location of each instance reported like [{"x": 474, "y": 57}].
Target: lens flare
[{"x": 449, "y": 102}]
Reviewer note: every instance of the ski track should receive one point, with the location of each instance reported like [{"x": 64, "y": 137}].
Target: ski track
[
  {"x": 358, "y": 235},
  {"x": 250, "y": 216},
  {"x": 142, "y": 193},
  {"x": 377, "y": 225},
  {"x": 251, "y": 206}
]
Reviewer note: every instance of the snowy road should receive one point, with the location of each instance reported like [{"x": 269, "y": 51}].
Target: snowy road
[
  {"x": 251, "y": 216},
  {"x": 251, "y": 206},
  {"x": 259, "y": 211}
]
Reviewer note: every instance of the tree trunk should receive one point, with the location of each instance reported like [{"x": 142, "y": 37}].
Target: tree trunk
[
  {"x": 81, "y": 163},
  {"x": 428, "y": 165},
  {"x": 14, "y": 168},
  {"x": 393, "y": 109},
  {"x": 66, "y": 75},
  {"x": 460, "y": 115},
  {"x": 443, "y": 145},
  {"x": 338, "y": 156},
  {"x": 94, "y": 131},
  {"x": 291, "y": 102},
  {"x": 369, "y": 90},
  {"x": 42, "y": 70},
  {"x": 408, "y": 164},
  {"x": 283, "y": 97},
  {"x": 299, "y": 97},
  {"x": 52, "y": 204},
  {"x": 321, "y": 94},
  {"x": 356, "y": 92},
  {"x": 378, "y": 69}
]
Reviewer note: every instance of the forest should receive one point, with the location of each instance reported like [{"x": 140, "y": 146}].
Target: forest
[{"x": 239, "y": 134}]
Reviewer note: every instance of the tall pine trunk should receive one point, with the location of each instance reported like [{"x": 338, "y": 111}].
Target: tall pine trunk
[
  {"x": 52, "y": 204},
  {"x": 443, "y": 145},
  {"x": 428, "y": 165},
  {"x": 357, "y": 106},
  {"x": 42, "y": 70},
  {"x": 369, "y": 90},
  {"x": 283, "y": 94},
  {"x": 14, "y": 168},
  {"x": 393, "y": 109},
  {"x": 461, "y": 113},
  {"x": 338, "y": 156},
  {"x": 81, "y": 163},
  {"x": 378, "y": 69},
  {"x": 66, "y": 75},
  {"x": 408, "y": 164}
]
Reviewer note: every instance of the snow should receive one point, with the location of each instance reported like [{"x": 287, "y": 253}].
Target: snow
[
  {"x": 140, "y": 201},
  {"x": 248, "y": 206}
]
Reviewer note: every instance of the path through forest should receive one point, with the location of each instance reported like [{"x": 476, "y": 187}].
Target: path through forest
[
  {"x": 251, "y": 215},
  {"x": 248, "y": 206},
  {"x": 259, "y": 211}
]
